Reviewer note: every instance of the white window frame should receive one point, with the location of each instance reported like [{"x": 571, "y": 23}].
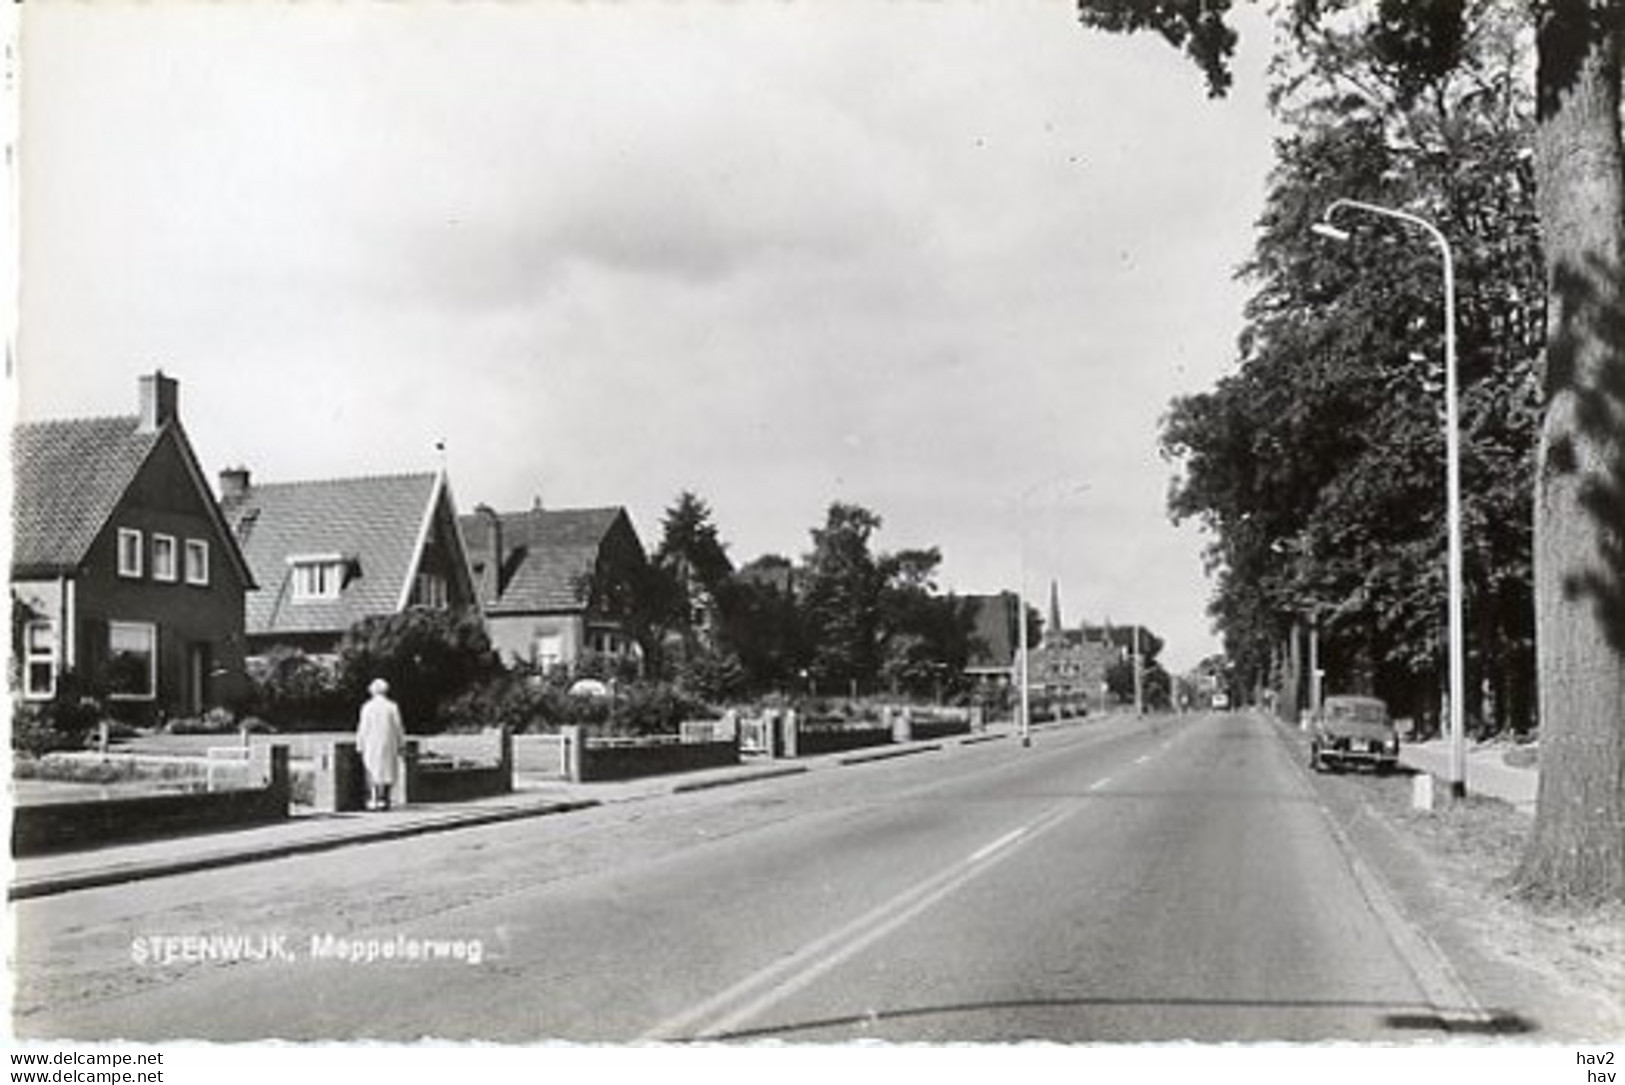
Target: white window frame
[
  {"x": 197, "y": 571},
  {"x": 151, "y": 631},
  {"x": 32, "y": 658},
  {"x": 548, "y": 649},
  {"x": 172, "y": 574},
  {"x": 317, "y": 580},
  {"x": 130, "y": 546},
  {"x": 432, "y": 591}
]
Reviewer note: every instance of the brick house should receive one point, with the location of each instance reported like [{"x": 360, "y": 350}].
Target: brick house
[
  {"x": 557, "y": 583},
  {"x": 1070, "y": 662},
  {"x": 330, "y": 552},
  {"x": 124, "y": 570}
]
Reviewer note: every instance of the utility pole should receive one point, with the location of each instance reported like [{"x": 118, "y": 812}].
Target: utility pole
[{"x": 1139, "y": 682}]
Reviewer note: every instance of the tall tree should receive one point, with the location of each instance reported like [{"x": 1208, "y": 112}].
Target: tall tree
[
  {"x": 763, "y": 624},
  {"x": 1578, "y": 845},
  {"x": 843, "y": 597},
  {"x": 691, "y": 566}
]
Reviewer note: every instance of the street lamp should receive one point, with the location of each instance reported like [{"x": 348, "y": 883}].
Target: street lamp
[{"x": 1458, "y": 681}]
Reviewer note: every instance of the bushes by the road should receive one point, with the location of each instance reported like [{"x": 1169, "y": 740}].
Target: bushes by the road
[
  {"x": 63, "y": 723},
  {"x": 522, "y": 701}
]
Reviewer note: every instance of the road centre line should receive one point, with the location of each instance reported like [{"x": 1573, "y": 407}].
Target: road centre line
[
  {"x": 769, "y": 986},
  {"x": 988, "y": 849}
]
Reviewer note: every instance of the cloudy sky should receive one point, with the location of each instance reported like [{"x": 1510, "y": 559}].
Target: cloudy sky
[{"x": 949, "y": 261}]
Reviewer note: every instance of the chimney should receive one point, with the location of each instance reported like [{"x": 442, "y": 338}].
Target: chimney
[
  {"x": 160, "y": 401},
  {"x": 234, "y": 483},
  {"x": 490, "y": 541}
]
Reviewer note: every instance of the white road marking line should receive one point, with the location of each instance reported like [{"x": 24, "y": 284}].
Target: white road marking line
[
  {"x": 771, "y": 985},
  {"x": 1142, "y": 759},
  {"x": 988, "y": 849},
  {"x": 1100, "y": 783}
]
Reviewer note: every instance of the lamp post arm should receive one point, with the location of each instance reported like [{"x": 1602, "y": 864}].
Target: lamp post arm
[{"x": 1453, "y": 515}]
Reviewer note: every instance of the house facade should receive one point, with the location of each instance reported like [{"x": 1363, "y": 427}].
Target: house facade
[
  {"x": 124, "y": 571},
  {"x": 1070, "y": 663},
  {"x": 328, "y": 553},
  {"x": 557, "y": 584}
]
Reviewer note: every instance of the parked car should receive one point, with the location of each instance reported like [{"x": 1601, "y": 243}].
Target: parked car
[
  {"x": 1352, "y": 731},
  {"x": 1221, "y": 702}
]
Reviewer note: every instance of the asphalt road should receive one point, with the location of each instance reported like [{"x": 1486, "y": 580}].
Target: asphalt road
[{"x": 1119, "y": 881}]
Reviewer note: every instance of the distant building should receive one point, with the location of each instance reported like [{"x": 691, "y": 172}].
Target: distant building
[
  {"x": 328, "y": 553},
  {"x": 557, "y": 583},
  {"x": 1070, "y": 662},
  {"x": 124, "y": 570}
]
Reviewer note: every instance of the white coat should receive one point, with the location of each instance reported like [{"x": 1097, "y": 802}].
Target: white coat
[{"x": 379, "y": 736}]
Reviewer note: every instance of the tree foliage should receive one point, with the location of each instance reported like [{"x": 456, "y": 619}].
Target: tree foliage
[
  {"x": 1318, "y": 465},
  {"x": 1424, "y": 53},
  {"x": 428, "y": 657}
]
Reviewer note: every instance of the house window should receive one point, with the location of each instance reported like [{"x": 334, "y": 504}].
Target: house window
[
  {"x": 164, "y": 565},
  {"x": 197, "y": 562},
  {"x": 430, "y": 591},
  {"x": 39, "y": 661},
  {"x": 129, "y": 552},
  {"x": 549, "y": 650},
  {"x": 317, "y": 580},
  {"x": 132, "y": 661}
]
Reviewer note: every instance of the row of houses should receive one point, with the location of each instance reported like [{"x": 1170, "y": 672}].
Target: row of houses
[{"x": 128, "y": 565}]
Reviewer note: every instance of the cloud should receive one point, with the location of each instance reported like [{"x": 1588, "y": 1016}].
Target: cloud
[{"x": 917, "y": 256}]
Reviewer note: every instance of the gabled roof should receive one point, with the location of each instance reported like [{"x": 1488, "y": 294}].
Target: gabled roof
[
  {"x": 548, "y": 560},
  {"x": 69, "y": 475},
  {"x": 375, "y": 524}
]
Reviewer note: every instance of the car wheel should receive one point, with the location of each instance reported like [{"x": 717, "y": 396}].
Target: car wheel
[{"x": 1315, "y": 764}]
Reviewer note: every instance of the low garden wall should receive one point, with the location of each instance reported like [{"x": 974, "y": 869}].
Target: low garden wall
[
  {"x": 818, "y": 736},
  {"x": 68, "y": 826},
  {"x": 928, "y": 729},
  {"x": 437, "y": 768},
  {"x": 592, "y": 760}
]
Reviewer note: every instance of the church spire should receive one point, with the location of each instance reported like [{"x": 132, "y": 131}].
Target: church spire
[{"x": 1052, "y": 630}]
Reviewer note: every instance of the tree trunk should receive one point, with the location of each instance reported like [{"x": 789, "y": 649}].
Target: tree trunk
[{"x": 1577, "y": 849}]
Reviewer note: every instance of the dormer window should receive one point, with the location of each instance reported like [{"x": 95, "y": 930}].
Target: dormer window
[{"x": 317, "y": 577}]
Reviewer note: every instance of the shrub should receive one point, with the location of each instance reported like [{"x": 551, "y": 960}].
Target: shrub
[
  {"x": 216, "y": 721},
  {"x": 514, "y": 701},
  {"x": 293, "y": 690},
  {"x": 65, "y": 723},
  {"x": 711, "y": 675},
  {"x": 653, "y": 709},
  {"x": 35, "y": 731},
  {"x": 429, "y": 657}
]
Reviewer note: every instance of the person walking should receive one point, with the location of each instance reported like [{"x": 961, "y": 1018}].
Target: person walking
[{"x": 379, "y": 736}]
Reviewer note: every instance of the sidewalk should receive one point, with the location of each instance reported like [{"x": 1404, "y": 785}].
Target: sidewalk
[
  {"x": 304, "y": 833},
  {"x": 1487, "y": 771}
]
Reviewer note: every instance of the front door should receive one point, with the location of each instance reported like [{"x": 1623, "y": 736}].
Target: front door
[{"x": 197, "y": 679}]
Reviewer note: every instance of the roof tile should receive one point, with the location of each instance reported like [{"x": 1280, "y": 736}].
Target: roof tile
[
  {"x": 549, "y": 556},
  {"x": 373, "y": 521},
  {"x": 68, "y": 477}
]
